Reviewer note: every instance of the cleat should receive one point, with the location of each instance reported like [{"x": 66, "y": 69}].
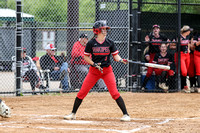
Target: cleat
[
  {"x": 192, "y": 89},
  {"x": 163, "y": 86},
  {"x": 125, "y": 118},
  {"x": 143, "y": 89},
  {"x": 71, "y": 116},
  {"x": 186, "y": 89},
  {"x": 198, "y": 90},
  {"x": 4, "y": 110}
]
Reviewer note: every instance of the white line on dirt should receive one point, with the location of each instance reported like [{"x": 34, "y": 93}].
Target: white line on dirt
[
  {"x": 78, "y": 121},
  {"x": 5, "y": 124},
  {"x": 165, "y": 121},
  {"x": 141, "y": 128}
]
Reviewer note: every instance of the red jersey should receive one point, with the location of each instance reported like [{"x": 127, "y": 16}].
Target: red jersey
[{"x": 78, "y": 54}]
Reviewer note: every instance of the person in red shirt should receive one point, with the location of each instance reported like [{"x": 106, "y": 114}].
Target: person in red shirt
[{"x": 81, "y": 67}]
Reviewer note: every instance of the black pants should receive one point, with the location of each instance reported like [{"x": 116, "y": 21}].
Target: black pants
[{"x": 32, "y": 77}]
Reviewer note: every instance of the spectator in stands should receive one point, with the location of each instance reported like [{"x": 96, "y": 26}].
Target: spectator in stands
[
  {"x": 29, "y": 71},
  {"x": 80, "y": 65},
  {"x": 56, "y": 64},
  {"x": 164, "y": 77}
]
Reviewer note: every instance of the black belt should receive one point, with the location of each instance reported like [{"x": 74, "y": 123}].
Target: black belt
[{"x": 185, "y": 52}]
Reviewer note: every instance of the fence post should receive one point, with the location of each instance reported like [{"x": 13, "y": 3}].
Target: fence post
[
  {"x": 139, "y": 40},
  {"x": 130, "y": 71},
  {"x": 18, "y": 47},
  {"x": 178, "y": 48}
]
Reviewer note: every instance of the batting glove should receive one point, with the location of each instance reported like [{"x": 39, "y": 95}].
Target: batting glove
[
  {"x": 125, "y": 61},
  {"x": 97, "y": 65}
]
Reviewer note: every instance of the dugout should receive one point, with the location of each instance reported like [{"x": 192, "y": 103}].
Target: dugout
[
  {"x": 167, "y": 21},
  {"x": 7, "y": 37}
]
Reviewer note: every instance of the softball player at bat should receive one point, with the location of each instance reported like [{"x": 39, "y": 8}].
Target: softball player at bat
[
  {"x": 197, "y": 60},
  {"x": 153, "y": 49},
  {"x": 185, "y": 56},
  {"x": 4, "y": 110},
  {"x": 100, "y": 48}
]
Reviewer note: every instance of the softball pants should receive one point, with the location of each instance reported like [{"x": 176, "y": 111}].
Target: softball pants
[
  {"x": 93, "y": 76},
  {"x": 185, "y": 62},
  {"x": 191, "y": 70},
  {"x": 197, "y": 62},
  {"x": 169, "y": 72},
  {"x": 150, "y": 69}
]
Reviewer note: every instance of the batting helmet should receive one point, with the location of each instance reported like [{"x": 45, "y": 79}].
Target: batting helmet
[{"x": 98, "y": 25}]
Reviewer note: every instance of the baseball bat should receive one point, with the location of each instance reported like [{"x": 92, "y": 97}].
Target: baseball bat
[{"x": 150, "y": 65}]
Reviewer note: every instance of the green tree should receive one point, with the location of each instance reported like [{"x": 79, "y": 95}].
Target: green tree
[{"x": 87, "y": 11}]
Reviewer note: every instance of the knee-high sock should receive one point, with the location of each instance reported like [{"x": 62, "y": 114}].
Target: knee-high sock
[
  {"x": 121, "y": 104},
  {"x": 77, "y": 103},
  {"x": 163, "y": 76},
  {"x": 192, "y": 81},
  {"x": 198, "y": 81},
  {"x": 146, "y": 79},
  {"x": 183, "y": 81}
]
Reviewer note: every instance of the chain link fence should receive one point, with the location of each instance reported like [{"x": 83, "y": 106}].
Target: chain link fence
[
  {"x": 62, "y": 23},
  {"x": 164, "y": 14},
  {"x": 59, "y": 23}
]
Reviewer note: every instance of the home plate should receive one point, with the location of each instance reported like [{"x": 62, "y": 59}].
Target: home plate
[{"x": 78, "y": 121}]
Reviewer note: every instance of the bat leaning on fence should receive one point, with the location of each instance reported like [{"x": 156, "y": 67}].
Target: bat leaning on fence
[{"x": 150, "y": 65}]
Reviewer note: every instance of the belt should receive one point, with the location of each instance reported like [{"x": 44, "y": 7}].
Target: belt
[{"x": 185, "y": 52}]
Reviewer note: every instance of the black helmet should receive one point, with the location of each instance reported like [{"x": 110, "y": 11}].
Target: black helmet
[{"x": 98, "y": 25}]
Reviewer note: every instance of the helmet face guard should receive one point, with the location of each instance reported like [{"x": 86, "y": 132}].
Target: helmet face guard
[{"x": 98, "y": 25}]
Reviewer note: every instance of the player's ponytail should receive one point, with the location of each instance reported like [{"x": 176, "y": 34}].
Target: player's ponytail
[{"x": 95, "y": 36}]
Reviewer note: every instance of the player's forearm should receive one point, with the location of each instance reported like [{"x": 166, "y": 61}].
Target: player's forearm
[
  {"x": 88, "y": 60},
  {"x": 117, "y": 58}
]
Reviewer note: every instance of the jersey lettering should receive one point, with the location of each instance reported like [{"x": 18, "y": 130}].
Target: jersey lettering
[
  {"x": 163, "y": 60},
  {"x": 184, "y": 42},
  {"x": 156, "y": 40},
  {"x": 101, "y": 50}
]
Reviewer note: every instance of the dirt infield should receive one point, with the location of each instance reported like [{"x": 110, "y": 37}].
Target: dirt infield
[{"x": 150, "y": 112}]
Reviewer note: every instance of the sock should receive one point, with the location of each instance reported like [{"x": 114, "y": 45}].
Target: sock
[
  {"x": 198, "y": 81},
  {"x": 192, "y": 81},
  {"x": 146, "y": 79},
  {"x": 77, "y": 103},
  {"x": 158, "y": 80},
  {"x": 120, "y": 103},
  {"x": 183, "y": 82},
  {"x": 163, "y": 76}
]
